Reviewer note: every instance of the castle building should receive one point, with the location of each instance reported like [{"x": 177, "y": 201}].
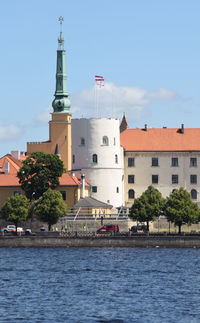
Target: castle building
[{"x": 165, "y": 158}]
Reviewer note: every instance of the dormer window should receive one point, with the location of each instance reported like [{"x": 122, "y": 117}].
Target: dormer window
[
  {"x": 82, "y": 141},
  {"x": 105, "y": 141}
]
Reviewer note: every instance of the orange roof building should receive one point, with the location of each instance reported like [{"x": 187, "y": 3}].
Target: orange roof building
[
  {"x": 70, "y": 185},
  {"x": 167, "y": 158}
]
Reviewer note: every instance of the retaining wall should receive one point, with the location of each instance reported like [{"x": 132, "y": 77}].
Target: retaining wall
[{"x": 139, "y": 241}]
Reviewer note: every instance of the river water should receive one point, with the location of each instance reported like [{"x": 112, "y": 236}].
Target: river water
[{"x": 99, "y": 285}]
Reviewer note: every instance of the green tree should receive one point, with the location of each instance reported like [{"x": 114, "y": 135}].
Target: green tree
[
  {"x": 16, "y": 209},
  {"x": 49, "y": 207},
  {"x": 39, "y": 172},
  {"x": 180, "y": 209},
  {"x": 148, "y": 206}
]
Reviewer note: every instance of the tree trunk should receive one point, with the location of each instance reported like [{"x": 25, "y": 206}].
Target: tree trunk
[
  {"x": 147, "y": 226},
  {"x": 179, "y": 228},
  {"x": 49, "y": 227}
]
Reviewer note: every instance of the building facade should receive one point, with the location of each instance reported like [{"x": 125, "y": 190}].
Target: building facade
[{"x": 165, "y": 158}]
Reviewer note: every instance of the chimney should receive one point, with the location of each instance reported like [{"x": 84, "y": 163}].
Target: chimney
[
  {"x": 145, "y": 127},
  {"x": 15, "y": 154},
  {"x": 83, "y": 186},
  {"x": 182, "y": 128}
]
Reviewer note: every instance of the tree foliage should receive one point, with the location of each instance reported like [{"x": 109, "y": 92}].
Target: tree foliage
[
  {"x": 180, "y": 209},
  {"x": 16, "y": 209},
  {"x": 148, "y": 206},
  {"x": 39, "y": 172},
  {"x": 49, "y": 207}
]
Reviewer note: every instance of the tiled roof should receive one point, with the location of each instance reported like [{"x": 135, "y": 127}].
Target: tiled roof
[
  {"x": 9, "y": 180},
  {"x": 90, "y": 202},
  {"x": 161, "y": 139}
]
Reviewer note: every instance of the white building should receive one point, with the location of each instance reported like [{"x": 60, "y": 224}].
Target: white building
[{"x": 96, "y": 152}]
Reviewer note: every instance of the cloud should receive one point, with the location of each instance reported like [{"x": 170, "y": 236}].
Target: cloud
[
  {"x": 114, "y": 100},
  {"x": 9, "y": 132},
  {"x": 44, "y": 117}
]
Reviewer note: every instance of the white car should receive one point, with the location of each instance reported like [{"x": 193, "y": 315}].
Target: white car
[{"x": 12, "y": 228}]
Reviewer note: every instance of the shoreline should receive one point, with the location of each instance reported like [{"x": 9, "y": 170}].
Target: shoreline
[{"x": 100, "y": 242}]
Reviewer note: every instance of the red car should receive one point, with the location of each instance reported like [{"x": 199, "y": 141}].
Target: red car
[{"x": 108, "y": 228}]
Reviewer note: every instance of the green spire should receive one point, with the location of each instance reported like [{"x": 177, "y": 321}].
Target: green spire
[{"x": 61, "y": 103}]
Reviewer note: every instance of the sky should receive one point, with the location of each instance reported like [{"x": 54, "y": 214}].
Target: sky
[{"x": 148, "y": 52}]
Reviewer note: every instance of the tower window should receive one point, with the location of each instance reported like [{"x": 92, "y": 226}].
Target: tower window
[
  {"x": 82, "y": 141},
  {"x": 117, "y": 189},
  {"x": 94, "y": 158},
  {"x": 114, "y": 142},
  {"x": 105, "y": 140},
  {"x": 131, "y": 194},
  {"x": 116, "y": 159},
  {"x": 193, "y": 194},
  {"x": 94, "y": 189},
  {"x": 73, "y": 159}
]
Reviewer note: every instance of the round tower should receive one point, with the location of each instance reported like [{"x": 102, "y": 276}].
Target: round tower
[{"x": 97, "y": 153}]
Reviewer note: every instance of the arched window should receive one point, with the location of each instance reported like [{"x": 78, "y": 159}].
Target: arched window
[
  {"x": 116, "y": 159},
  {"x": 82, "y": 141},
  {"x": 117, "y": 189},
  {"x": 193, "y": 194},
  {"x": 73, "y": 159},
  {"x": 94, "y": 158},
  {"x": 105, "y": 140},
  {"x": 131, "y": 194}
]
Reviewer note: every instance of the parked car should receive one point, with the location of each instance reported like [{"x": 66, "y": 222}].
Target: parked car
[
  {"x": 11, "y": 228},
  {"x": 108, "y": 228},
  {"x": 140, "y": 228}
]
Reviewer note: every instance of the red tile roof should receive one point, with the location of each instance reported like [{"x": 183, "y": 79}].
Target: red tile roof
[
  {"x": 9, "y": 180},
  {"x": 161, "y": 139}
]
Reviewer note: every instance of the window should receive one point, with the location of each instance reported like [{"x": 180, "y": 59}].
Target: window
[
  {"x": 154, "y": 179},
  {"x": 94, "y": 189},
  {"x": 154, "y": 161},
  {"x": 105, "y": 140},
  {"x": 131, "y": 179},
  {"x": 193, "y": 194},
  {"x": 94, "y": 158},
  {"x": 116, "y": 159},
  {"x": 193, "y": 162},
  {"x": 82, "y": 141},
  {"x": 114, "y": 142},
  {"x": 174, "y": 161},
  {"x": 73, "y": 159},
  {"x": 63, "y": 195},
  {"x": 131, "y": 194},
  {"x": 174, "y": 179},
  {"x": 131, "y": 162},
  {"x": 193, "y": 179},
  {"x": 17, "y": 192},
  {"x": 117, "y": 189}
]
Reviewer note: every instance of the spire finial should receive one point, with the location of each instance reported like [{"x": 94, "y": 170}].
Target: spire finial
[{"x": 61, "y": 39}]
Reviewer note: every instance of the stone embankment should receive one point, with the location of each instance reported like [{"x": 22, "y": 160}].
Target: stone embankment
[{"x": 105, "y": 241}]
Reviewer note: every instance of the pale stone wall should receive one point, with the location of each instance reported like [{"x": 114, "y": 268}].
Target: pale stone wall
[{"x": 143, "y": 171}]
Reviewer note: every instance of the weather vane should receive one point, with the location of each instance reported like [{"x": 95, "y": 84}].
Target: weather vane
[{"x": 60, "y": 39}]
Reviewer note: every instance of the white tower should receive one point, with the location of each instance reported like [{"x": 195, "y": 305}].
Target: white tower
[{"x": 97, "y": 153}]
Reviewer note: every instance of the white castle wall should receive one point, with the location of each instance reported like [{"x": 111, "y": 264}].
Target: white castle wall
[{"x": 106, "y": 174}]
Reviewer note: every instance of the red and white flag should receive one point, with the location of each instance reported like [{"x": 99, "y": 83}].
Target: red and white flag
[{"x": 99, "y": 80}]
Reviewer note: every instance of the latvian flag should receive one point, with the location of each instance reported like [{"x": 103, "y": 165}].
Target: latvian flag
[{"x": 99, "y": 80}]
